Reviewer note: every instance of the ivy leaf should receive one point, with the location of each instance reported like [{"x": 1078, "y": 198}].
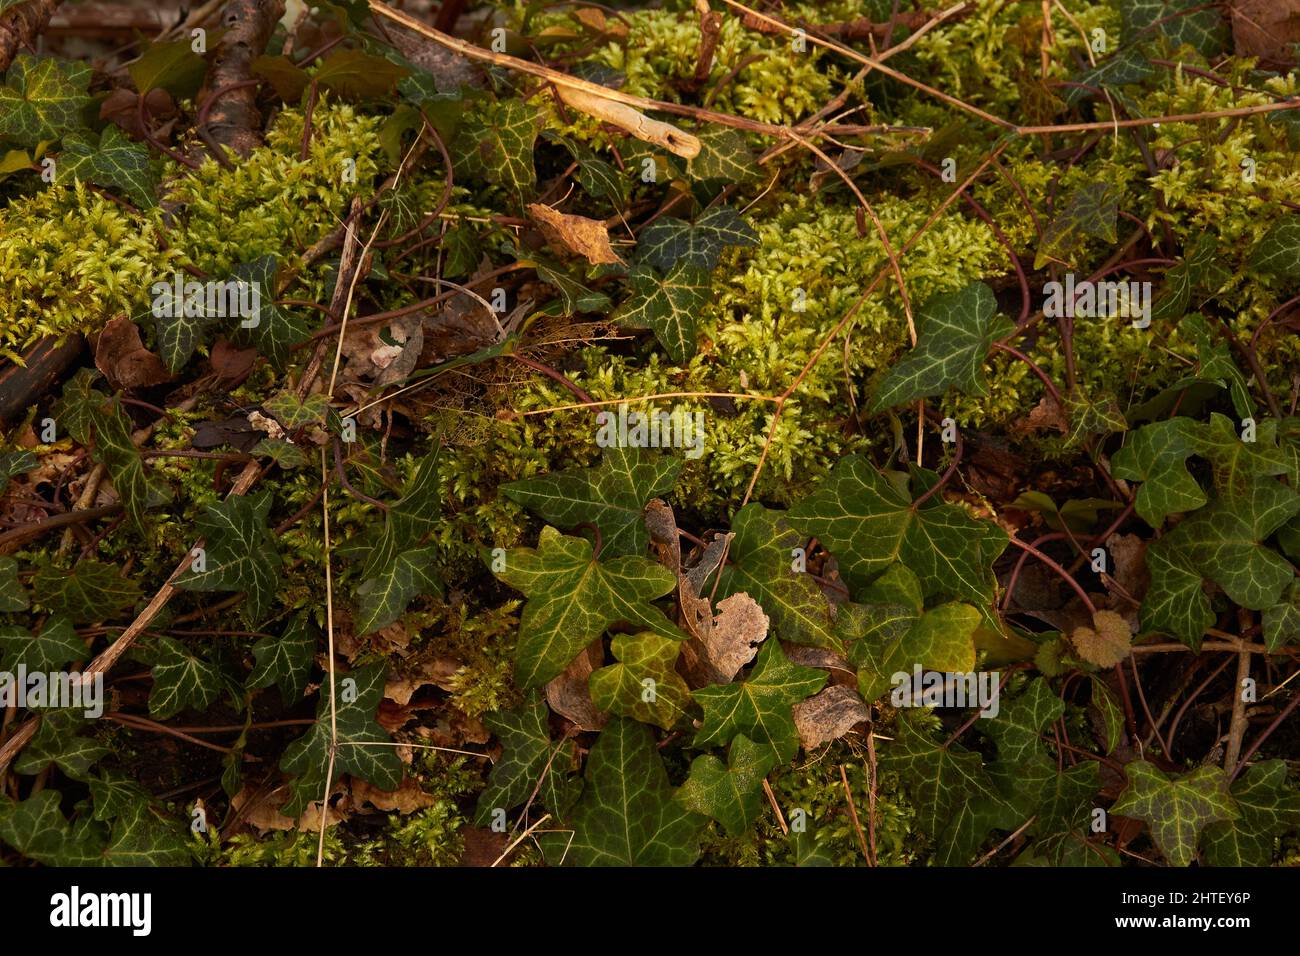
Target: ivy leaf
[
  {"x": 172, "y": 66},
  {"x": 57, "y": 742},
  {"x": 286, "y": 660},
  {"x": 141, "y": 836},
  {"x": 1282, "y": 620},
  {"x": 669, "y": 241},
  {"x": 240, "y": 553},
  {"x": 114, "y": 161},
  {"x": 1179, "y": 21},
  {"x": 954, "y": 335},
  {"x": 1091, "y": 210},
  {"x": 94, "y": 591},
  {"x": 729, "y": 793},
  {"x": 529, "y": 761},
  {"x": 724, "y": 155},
  {"x": 272, "y": 331},
  {"x": 497, "y": 146},
  {"x": 42, "y": 99},
  {"x": 408, "y": 521},
  {"x": 16, "y": 463},
  {"x": 956, "y": 801},
  {"x": 760, "y": 564},
  {"x": 626, "y": 815},
  {"x": 1200, "y": 266},
  {"x": 573, "y": 599},
  {"x": 91, "y": 417},
  {"x": 37, "y": 829},
  {"x": 1176, "y": 602},
  {"x": 1060, "y": 801},
  {"x": 669, "y": 304},
  {"x": 1269, "y": 809},
  {"x": 612, "y": 496},
  {"x": 868, "y": 524},
  {"x": 1125, "y": 67},
  {"x": 1224, "y": 542},
  {"x": 363, "y": 747},
  {"x": 12, "y": 595},
  {"x": 622, "y": 689},
  {"x": 355, "y": 75},
  {"x": 385, "y": 597},
  {"x": 1278, "y": 252},
  {"x": 1019, "y": 721},
  {"x": 892, "y": 639},
  {"x": 1156, "y": 455},
  {"x": 1238, "y": 464},
  {"x": 760, "y": 707},
  {"x": 1176, "y": 809},
  {"x": 574, "y": 296},
  {"x": 56, "y": 645},
  {"x": 181, "y": 681}
]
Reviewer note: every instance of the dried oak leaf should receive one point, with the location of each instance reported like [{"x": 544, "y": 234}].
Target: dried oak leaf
[
  {"x": 828, "y": 715},
  {"x": 1107, "y": 642},
  {"x": 585, "y": 237}
]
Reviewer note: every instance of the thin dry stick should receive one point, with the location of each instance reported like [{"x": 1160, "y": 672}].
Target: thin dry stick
[
  {"x": 520, "y": 839},
  {"x": 611, "y": 106},
  {"x": 776, "y": 807},
  {"x": 853, "y": 812},
  {"x": 997, "y": 849},
  {"x": 871, "y": 796},
  {"x": 1238, "y": 724},
  {"x": 329, "y": 631}
]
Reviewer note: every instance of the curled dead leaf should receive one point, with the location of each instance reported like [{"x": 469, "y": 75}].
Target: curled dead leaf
[
  {"x": 829, "y": 715},
  {"x": 124, "y": 360},
  {"x": 576, "y": 234}
]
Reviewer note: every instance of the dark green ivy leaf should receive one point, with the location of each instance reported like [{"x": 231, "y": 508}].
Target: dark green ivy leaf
[
  {"x": 626, "y": 815},
  {"x": 181, "y": 681},
  {"x": 530, "y": 761},
  {"x": 114, "y": 161},
  {"x": 56, "y": 645},
  {"x": 286, "y": 660},
  {"x": 761, "y": 706},
  {"x": 240, "y": 552},
  {"x": 729, "y": 793},
  {"x": 573, "y": 598},
  {"x": 669, "y": 304},
  {"x": 612, "y": 495},
  {"x": 669, "y": 241},
  {"x": 94, "y": 591},
  {"x": 954, "y": 334},
  {"x": 1269, "y": 807},
  {"x": 1178, "y": 808},
  {"x": 868, "y": 524},
  {"x": 364, "y": 749}
]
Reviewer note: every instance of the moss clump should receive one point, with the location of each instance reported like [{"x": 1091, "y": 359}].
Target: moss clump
[{"x": 71, "y": 259}]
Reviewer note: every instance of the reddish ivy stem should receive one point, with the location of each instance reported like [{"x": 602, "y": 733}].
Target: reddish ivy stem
[{"x": 1060, "y": 572}]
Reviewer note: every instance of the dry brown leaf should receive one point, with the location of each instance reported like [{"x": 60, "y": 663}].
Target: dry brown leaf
[
  {"x": 407, "y": 798},
  {"x": 568, "y": 694},
  {"x": 585, "y": 237},
  {"x": 124, "y": 360},
  {"x": 1046, "y": 414},
  {"x": 229, "y": 363},
  {"x": 662, "y": 525},
  {"x": 1107, "y": 642},
  {"x": 829, "y": 715},
  {"x": 1264, "y": 28},
  {"x": 725, "y": 642},
  {"x": 437, "y": 671}
]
